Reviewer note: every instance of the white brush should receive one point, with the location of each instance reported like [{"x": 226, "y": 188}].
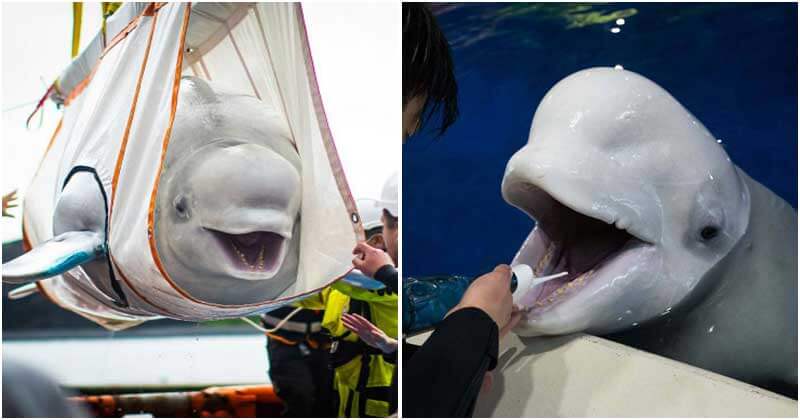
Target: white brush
[{"x": 523, "y": 280}]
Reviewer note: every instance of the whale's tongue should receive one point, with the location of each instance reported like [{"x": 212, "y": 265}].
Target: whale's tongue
[
  {"x": 252, "y": 251},
  {"x": 579, "y": 244},
  {"x": 257, "y": 250},
  {"x": 248, "y": 239},
  {"x": 589, "y": 242}
]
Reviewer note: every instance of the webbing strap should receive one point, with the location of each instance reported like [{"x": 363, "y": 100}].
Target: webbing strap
[
  {"x": 107, "y": 8},
  {"x": 77, "y": 14}
]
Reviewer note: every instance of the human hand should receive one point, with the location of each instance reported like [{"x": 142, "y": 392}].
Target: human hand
[
  {"x": 516, "y": 315},
  {"x": 369, "y": 260},
  {"x": 488, "y": 381},
  {"x": 8, "y": 203},
  {"x": 491, "y": 293},
  {"x": 369, "y": 333}
]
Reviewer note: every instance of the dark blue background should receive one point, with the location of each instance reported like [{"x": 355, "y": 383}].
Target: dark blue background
[{"x": 734, "y": 66}]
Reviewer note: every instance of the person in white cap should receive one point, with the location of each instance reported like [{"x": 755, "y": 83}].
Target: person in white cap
[
  {"x": 362, "y": 317},
  {"x": 374, "y": 262},
  {"x": 311, "y": 357},
  {"x": 386, "y": 210},
  {"x": 371, "y": 212}
]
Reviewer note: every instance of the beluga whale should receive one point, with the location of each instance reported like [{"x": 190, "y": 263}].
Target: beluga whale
[
  {"x": 225, "y": 219},
  {"x": 670, "y": 247},
  {"x": 229, "y": 201}
]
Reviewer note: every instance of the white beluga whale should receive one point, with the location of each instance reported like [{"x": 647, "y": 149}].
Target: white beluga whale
[
  {"x": 229, "y": 199},
  {"x": 226, "y": 220},
  {"x": 667, "y": 242}
]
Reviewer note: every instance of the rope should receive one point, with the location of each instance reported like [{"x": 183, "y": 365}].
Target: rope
[
  {"x": 277, "y": 327},
  {"x": 11, "y": 108},
  {"x": 39, "y": 105}
]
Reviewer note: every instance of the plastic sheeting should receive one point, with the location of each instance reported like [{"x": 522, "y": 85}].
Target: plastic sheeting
[{"x": 118, "y": 120}]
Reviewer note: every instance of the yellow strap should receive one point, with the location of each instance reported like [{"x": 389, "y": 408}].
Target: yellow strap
[
  {"x": 108, "y": 8},
  {"x": 77, "y": 14}
]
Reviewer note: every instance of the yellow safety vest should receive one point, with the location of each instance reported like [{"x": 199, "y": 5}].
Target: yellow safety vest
[{"x": 363, "y": 376}]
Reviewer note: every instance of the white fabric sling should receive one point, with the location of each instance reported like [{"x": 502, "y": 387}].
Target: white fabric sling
[{"x": 118, "y": 121}]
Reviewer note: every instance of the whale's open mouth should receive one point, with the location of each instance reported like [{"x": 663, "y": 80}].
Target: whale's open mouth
[
  {"x": 258, "y": 252},
  {"x": 565, "y": 240}
]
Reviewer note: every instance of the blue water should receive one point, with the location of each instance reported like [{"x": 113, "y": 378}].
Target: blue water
[{"x": 734, "y": 66}]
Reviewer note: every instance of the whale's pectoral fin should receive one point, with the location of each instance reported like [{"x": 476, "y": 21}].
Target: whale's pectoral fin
[
  {"x": 23, "y": 291},
  {"x": 54, "y": 257}
]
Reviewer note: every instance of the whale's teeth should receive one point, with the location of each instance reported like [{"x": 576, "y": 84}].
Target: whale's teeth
[
  {"x": 557, "y": 294},
  {"x": 239, "y": 253},
  {"x": 545, "y": 260},
  {"x": 260, "y": 262},
  {"x": 582, "y": 277}
]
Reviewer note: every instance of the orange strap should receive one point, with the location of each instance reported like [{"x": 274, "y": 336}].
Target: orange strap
[
  {"x": 281, "y": 339},
  {"x": 232, "y": 401},
  {"x": 150, "y": 10},
  {"x": 80, "y": 87}
]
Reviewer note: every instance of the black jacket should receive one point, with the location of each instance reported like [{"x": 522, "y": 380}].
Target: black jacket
[
  {"x": 388, "y": 276},
  {"x": 443, "y": 377}
]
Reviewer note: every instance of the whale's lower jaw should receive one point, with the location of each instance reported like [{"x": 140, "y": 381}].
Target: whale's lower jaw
[
  {"x": 254, "y": 255},
  {"x": 547, "y": 295},
  {"x": 566, "y": 240}
]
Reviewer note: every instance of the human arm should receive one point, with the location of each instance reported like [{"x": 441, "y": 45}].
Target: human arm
[
  {"x": 369, "y": 333},
  {"x": 444, "y": 376}
]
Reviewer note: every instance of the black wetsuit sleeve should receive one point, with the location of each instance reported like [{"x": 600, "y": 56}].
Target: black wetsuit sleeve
[
  {"x": 388, "y": 276},
  {"x": 444, "y": 376}
]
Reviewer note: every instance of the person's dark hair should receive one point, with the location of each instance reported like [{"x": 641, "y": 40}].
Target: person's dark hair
[
  {"x": 428, "y": 66},
  {"x": 372, "y": 232},
  {"x": 391, "y": 221}
]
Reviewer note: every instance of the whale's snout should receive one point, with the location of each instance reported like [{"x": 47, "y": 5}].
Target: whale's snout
[
  {"x": 572, "y": 233},
  {"x": 522, "y": 172},
  {"x": 247, "y": 197}
]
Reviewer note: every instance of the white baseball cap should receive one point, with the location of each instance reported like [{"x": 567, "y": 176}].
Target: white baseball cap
[
  {"x": 389, "y": 195},
  {"x": 370, "y": 211}
]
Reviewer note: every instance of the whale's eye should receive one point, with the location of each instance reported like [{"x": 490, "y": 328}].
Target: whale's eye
[
  {"x": 181, "y": 206},
  {"x": 709, "y": 232}
]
